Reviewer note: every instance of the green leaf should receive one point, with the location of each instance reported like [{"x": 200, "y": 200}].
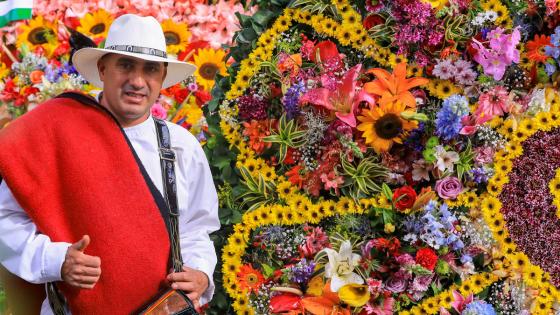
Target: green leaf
[
  {"x": 221, "y": 161},
  {"x": 387, "y": 191},
  {"x": 268, "y": 271},
  {"x": 263, "y": 17}
]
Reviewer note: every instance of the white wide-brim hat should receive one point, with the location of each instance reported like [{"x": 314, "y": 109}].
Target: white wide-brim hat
[{"x": 135, "y": 36}]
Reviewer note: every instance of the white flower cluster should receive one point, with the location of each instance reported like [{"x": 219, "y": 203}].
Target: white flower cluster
[{"x": 484, "y": 17}]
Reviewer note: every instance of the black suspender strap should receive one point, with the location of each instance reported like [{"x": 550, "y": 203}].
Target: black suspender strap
[{"x": 167, "y": 160}]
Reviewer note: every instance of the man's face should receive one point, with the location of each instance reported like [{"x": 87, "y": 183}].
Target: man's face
[{"x": 130, "y": 86}]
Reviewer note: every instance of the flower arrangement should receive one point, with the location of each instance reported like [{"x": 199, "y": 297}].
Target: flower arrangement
[
  {"x": 395, "y": 157},
  {"x": 38, "y": 66}
]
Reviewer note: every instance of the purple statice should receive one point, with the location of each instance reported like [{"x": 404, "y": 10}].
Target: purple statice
[
  {"x": 291, "y": 99},
  {"x": 479, "y": 307},
  {"x": 479, "y": 175},
  {"x": 448, "y": 121},
  {"x": 302, "y": 271},
  {"x": 251, "y": 107}
]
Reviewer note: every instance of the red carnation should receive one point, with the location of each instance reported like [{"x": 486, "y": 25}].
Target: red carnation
[
  {"x": 406, "y": 197},
  {"x": 373, "y": 20},
  {"x": 427, "y": 258}
]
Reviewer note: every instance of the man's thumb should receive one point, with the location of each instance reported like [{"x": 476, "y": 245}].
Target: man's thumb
[{"x": 82, "y": 244}]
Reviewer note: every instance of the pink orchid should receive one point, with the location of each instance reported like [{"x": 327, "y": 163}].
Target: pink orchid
[
  {"x": 502, "y": 53},
  {"x": 343, "y": 99},
  {"x": 331, "y": 180},
  {"x": 460, "y": 302}
]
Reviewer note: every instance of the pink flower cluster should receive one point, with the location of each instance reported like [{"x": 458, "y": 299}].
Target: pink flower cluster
[{"x": 501, "y": 54}]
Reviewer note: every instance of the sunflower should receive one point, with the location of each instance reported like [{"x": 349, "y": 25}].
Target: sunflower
[
  {"x": 535, "y": 48},
  {"x": 38, "y": 33},
  {"x": 250, "y": 278},
  {"x": 383, "y": 125},
  {"x": 209, "y": 62},
  {"x": 95, "y": 24},
  {"x": 4, "y": 70},
  {"x": 177, "y": 36}
]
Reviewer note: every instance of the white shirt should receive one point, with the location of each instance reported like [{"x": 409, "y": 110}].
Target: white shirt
[{"x": 33, "y": 257}]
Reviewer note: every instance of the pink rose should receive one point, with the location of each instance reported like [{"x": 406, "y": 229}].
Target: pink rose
[
  {"x": 449, "y": 187},
  {"x": 483, "y": 155},
  {"x": 158, "y": 111}
]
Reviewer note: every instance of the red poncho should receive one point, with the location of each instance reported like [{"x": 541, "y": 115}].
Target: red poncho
[{"x": 71, "y": 168}]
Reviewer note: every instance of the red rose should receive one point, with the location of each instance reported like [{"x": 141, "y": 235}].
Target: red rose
[
  {"x": 202, "y": 97},
  {"x": 427, "y": 258},
  {"x": 406, "y": 197}
]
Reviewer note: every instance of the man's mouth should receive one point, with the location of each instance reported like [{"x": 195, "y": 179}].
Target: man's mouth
[{"x": 135, "y": 96}]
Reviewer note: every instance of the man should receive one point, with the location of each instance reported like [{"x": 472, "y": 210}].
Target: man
[{"x": 81, "y": 198}]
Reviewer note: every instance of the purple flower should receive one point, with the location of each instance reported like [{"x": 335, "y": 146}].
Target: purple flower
[
  {"x": 396, "y": 283},
  {"x": 422, "y": 283},
  {"x": 405, "y": 260},
  {"x": 252, "y": 107},
  {"x": 483, "y": 155},
  {"x": 302, "y": 271},
  {"x": 449, "y": 187}
]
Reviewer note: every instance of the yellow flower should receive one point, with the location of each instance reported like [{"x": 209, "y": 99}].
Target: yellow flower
[
  {"x": 4, "y": 71},
  {"x": 355, "y": 295},
  {"x": 443, "y": 89},
  {"x": 96, "y": 24},
  {"x": 284, "y": 189},
  {"x": 519, "y": 261},
  {"x": 315, "y": 286},
  {"x": 436, "y": 4},
  {"x": 345, "y": 205},
  {"x": 532, "y": 276},
  {"x": 525, "y": 62},
  {"x": 38, "y": 33},
  {"x": 177, "y": 36},
  {"x": 383, "y": 125},
  {"x": 312, "y": 214},
  {"x": 209, "y": 62},
  {"x": 389, "y": 228}
]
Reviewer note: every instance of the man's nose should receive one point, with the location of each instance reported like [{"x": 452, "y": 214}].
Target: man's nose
[{"x": 136, "y": 79}]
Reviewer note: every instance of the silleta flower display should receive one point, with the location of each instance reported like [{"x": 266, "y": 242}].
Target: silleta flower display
[{"x": 396, "y": 157}]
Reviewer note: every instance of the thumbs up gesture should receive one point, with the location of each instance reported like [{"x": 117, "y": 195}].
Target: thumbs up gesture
[{"x": 81, "y": 270}]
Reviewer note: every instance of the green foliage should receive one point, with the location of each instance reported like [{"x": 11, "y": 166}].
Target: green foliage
[
  {"x": 257, "y": 191},
  {"x": 288, "y": 136},
  {"x": 316, "y": 7},
  {"x": 465, "y": 161},
  {"x": 363, "y": 179}
]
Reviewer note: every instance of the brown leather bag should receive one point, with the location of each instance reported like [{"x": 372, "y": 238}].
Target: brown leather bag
[{"x": 22, "y": 297}]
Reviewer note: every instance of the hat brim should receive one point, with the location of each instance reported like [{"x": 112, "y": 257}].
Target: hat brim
[{"x": 85, "y": 62}]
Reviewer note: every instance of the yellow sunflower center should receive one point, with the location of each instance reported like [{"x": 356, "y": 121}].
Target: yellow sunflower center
[
  {"x": 208, "y": 70},
  {"x": 388, "y": 126},
  {"x": 172, "y": 38},
  {"x": 39, "y": 35}
]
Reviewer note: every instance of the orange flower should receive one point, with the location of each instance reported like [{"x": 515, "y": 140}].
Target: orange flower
[
  {"x": 36, "y": 76},
  {"x": 294, "y": 176},
  {"x": 256, "y": 131},
  {"x": 535, "y": 48},
  {"x": 328, "y": 303},
  {"x": 250, "y": 278},
  {"x": 394, "y": 87}
]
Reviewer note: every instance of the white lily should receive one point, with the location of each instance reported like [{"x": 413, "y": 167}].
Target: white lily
[{"x": 340, "y": 267}]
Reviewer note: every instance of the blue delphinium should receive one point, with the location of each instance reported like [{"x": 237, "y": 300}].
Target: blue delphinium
[
  {"x": 448, "y": 120},
  {"x": 480, "y": 175},
  {"x": 479, "y": 308},
  {"x": 302, "y": 271},
  {"x": 291, "y": 99},
  {"x": 434, "y": 227}
]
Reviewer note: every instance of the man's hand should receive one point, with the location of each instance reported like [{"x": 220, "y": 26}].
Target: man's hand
[
  {"x": 193, "y": 282},
  {"x": 81, "y": 270}
]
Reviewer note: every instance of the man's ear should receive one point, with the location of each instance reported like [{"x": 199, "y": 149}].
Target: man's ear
[{"x": 101, "y": 68}]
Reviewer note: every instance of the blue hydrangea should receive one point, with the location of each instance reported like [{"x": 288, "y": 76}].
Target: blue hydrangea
[
  {"x": 448, "y": 120},
  {"x": 479, "y": 308},
  {"x": 291, "y": 99}
]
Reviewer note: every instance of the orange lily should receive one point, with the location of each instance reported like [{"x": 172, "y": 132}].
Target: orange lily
[
  {"x": 326, "y": 304},
  {"x": 394, "y": 87}
]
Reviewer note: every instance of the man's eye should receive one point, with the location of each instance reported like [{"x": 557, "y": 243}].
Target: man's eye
[
  {"x": 126, "y": 66},
  {"x": 152, "y": 69}
]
